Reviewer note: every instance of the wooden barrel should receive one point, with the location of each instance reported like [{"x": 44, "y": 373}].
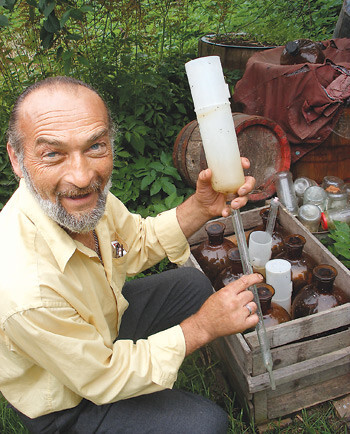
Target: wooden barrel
[
  {"x": 232, "y": 56},
  {"x": 331, "y": 158},
  {"x": 261, "y": 140}
]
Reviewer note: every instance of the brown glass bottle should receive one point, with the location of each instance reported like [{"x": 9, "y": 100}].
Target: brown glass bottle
[
  {"x": 301, "y": 263},
  {"x": 212, "y": 254},
  {"x": 277, "y": 245},
  {"x": 302, "y": 51},
  {"x": 320, "y": 295},
  {"x": 273, "y": 313},
  {"x": 233, "y": 272}
]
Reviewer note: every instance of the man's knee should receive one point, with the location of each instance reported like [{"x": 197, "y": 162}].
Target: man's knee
[{"x": 198, "y": 281}]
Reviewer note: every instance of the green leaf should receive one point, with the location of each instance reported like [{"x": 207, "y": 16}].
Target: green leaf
[
  {"x": 46, "y": 39},
  {"x": 77, "y": 14},
  {"x": 87, "y": 8},
  {"x": 172, "y": 172},
  {"x": 181, "y": 108},
  {"x": 51, "y": 24},
  {"x": 68, "y": 54},
  {"x": 146, "y": 181},
  {"x": 155, "y": 188},
  {"x": 168, "y": 187},
  {"x": 157, "y": 166},
  {"x": 59, "y": 52},
  {"x": 4, "y": 21},
  {"x": 9, "y": 4},
  {"x": 33, "y": 3},
  {"x": 67, "y": 65},
  {"x": 83, "y": 61},
  {"x": 173, "y": 200},
  {"x": 64, "y": 18},
  {"x": 74, "y": 37},
  {"x": 343, "y": 249},
  {"x": 49, "y": 8}
]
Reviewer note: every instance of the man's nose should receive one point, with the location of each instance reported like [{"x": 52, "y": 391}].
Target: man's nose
[{"x": 80, "y": 172}]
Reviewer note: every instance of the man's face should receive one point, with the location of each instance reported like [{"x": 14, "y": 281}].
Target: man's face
[{"x": 68, "y": 155}]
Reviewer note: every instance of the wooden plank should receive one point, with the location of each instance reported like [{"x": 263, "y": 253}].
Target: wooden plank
[
  {"x": 294, "y": 353},
  {"x": 310, "y": 379},
  {"x": 238, "y": 382},
  {"x": 300, "y": 370},
  {"x": 241, "y": 351},
  {"x": 301, "y": 328},
  {"x": 312, "y": 395},
  {"x": 260, "y": 406},
  {"x": 342, "y": 407}
]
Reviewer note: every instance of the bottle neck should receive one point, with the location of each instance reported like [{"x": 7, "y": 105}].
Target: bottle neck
[
  {"x": 324, "y": 277},
  {"x": 294, "y": 247},
  {"x": 216, "y": 240}
]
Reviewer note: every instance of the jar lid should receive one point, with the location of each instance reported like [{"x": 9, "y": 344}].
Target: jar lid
[
  {"x": 216, "y": 228},
  {"x": 324, "y": 222}
]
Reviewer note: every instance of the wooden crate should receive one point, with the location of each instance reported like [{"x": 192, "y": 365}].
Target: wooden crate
[{"x": 311, "y": 355}]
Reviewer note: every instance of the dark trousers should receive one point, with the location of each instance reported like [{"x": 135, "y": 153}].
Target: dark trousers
[{"x": 156, "y": 303}]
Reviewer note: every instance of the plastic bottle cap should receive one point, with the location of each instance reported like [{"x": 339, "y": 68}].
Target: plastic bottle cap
[{"x": 324, "y": 222}]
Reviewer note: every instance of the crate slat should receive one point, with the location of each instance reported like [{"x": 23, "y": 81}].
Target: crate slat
[
  {"x": 300, "y": 328},
  {"x": 287, "y": 355}
]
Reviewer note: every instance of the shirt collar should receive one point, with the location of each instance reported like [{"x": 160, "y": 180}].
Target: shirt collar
[{"x": 60, "y": 243}]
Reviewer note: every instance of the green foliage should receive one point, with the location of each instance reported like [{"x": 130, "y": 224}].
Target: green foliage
[
  {"x": 134, "y": 54},
  {"x": 338, "y": 242},
  {"x": 9, "y": 421}
]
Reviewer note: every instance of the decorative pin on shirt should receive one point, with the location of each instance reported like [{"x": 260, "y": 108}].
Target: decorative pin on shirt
[{"x": 118, "y": 250}]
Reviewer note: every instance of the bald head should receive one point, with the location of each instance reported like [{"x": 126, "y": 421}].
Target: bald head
[{"x": 52, "y": 85}]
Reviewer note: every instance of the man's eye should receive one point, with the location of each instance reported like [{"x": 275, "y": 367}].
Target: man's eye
[
  {"x": 95, "y": 146},
  {"x": 51, "y": 154}
]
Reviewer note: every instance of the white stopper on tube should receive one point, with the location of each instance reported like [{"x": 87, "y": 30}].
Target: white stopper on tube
[
  {"x": 279, "y": 276},
  {"x": 260, "y": 243}
]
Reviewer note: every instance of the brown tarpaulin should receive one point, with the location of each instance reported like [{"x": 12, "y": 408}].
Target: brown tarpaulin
[{"x": 306, "y": 100}]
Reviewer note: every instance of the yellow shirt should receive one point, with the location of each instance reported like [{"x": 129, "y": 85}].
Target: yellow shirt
[{"x": 60, "y": 308}]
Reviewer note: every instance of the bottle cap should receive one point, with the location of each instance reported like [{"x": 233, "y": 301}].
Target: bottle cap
[{"x": 324, "y": 222}]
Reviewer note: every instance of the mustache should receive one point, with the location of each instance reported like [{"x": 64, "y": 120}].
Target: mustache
[{"x": 77, "y": 191}]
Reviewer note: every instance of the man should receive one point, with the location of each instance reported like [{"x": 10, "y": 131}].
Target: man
[{"x": 80, "y": 350}]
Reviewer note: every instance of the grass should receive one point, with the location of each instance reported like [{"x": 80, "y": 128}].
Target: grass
[{"x": 203, "y": 374}]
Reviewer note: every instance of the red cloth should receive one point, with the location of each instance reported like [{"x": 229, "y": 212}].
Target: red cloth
[{"x": 306, "y": 100}]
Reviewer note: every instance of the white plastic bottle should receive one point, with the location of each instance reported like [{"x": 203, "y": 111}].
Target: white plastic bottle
[{"x": 210, "y": 96}]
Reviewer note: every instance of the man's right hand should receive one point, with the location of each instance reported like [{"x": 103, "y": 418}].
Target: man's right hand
[{"x": 222, "y": 314}]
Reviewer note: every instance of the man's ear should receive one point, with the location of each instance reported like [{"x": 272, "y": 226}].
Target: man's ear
[{"x": 14, "y": 161}]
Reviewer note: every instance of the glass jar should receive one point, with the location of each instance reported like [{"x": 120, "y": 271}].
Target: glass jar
[
  {"x": 337, "y": 198},
  {"x": 300, "y": 185},
  {"x": 285, "y": 191},
  {"x": 233, "y": 272},
  {"x": 347, "y": 189},
  {"x": 320, "y": 295},
  {"x": 278, "y": 233},
  {"x": 273, "y": 313},
  {"x": 310, "y": 216},
  {"x": 301, "y": 263},
  {"x": 332, "y": 181},
  {"x": 316, "y": 196},
  {"x": 328, "y": 217},
  {"x": 212, "y": 254}
]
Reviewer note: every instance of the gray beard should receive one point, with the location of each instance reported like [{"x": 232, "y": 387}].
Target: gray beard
[{"x": 82, "y": 224}]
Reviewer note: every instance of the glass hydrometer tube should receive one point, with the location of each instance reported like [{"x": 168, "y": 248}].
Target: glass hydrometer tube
[
  {"x": 211, "y": 95},
  {"x": 247, "y": 269},
  {"x": 271, "y": 219}
]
